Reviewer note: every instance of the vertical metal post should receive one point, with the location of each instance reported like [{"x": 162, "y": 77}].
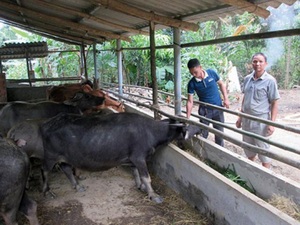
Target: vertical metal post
[
  {"x": 83, "y": 61},
  {"x": 153, "y": 69},
  {"x": 119, "y": 63},
  {"x": 177, "y": 70},
  {"x": 96, "y": 79}
]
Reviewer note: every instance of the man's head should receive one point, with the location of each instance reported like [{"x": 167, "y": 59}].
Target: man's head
[
  {"x": 259, "y": 62},
  {"x": 193, "y": 63},
  {"x": 195, "y": 68}
]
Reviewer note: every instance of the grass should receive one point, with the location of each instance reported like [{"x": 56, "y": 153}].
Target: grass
[{"x": 231, "y": 174}]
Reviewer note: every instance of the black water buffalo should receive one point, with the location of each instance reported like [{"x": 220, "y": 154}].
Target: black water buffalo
[
  {"x": 14, "y": 169},
  {"x": 99, "y": 143},
  {"x": 15, "y": 112},
  {"x": 27, "y": 135}
]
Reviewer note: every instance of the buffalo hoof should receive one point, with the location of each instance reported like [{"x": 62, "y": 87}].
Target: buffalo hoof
[
  {"x": 80, "y": 188},
  {"x": 157, "y": 199},
  {"x": 50, "y": 194},
  {"x": 143, "y": 188},
  {"x": 81, "y": 177}
]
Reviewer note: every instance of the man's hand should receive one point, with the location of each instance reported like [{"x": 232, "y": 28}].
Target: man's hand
[
  {"x": 270, "y": 130},
  {"x": 238, "y": 123},
  {"x": 226, "y": 103}
]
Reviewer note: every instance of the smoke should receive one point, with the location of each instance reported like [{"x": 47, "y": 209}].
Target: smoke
[{"x": 281, "y": 18}]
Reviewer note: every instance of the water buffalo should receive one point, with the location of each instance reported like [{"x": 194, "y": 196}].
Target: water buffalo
[
  {"x": 99, "y": 143},
  {"x": 14, "y": 169},
  {"x": 15, "y": 112},
  {"x": 64, "y": 92},
  {"x": 26, "y": 134}
]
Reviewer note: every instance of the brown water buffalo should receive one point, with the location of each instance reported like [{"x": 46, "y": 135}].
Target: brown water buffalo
[{"x": 63, "y": 92}]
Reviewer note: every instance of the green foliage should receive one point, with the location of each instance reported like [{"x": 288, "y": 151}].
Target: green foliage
[
  {"x": 231, "y": 175},
  {"x": 56, "y": 64},
  {"x": 6, "y": 34}
]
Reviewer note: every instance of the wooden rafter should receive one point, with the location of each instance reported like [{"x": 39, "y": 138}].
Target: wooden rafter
[
  {"x": 288, "y": 2},
  {"x": 143, "y": 14},
  {"x": 64, "y": 9},
  {"x": 249, "y": 7},
  {"x": 49, "y": 34},
  {"x": 41, "y": 27},
  {"x": 64, "y": 33},
  {"x": 71, "y": 25}
]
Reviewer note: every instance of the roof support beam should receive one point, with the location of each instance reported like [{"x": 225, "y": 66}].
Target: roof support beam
[
  {"x": 71, "y": 34},
  {"x": 69, "y": 24},
  {"x": 64, "y": 9},
  {"x": 143, "y": 14},
  {"x": 249, "y": 7},
  {"x": 54, "y": 32},
  {"x": 288, "y": 2}
]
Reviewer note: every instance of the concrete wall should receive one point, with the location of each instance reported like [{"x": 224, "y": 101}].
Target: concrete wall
[
  {"x": 265, "y": 182},
  {"x": 212, "y": 193},
  {"x": 26, "y": 93}
]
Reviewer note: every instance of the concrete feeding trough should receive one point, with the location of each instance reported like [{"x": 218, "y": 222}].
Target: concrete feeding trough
[{"x": 214, "y": 194}]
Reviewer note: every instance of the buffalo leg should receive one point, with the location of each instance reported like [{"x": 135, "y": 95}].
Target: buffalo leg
[
  {"x": 29, "y": 208},
  {"x": 47, "y": 166},
  {"x": 141, "y": 167},
  {"x": 10, "y": 217},
  {"x": 68, "y": 170},
  {"x": 46, "y": 188},
  {"x": 138, "y": 180}
]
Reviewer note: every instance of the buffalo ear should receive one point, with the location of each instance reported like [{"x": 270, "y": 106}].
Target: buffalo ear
[
  {"x": 77, "y": 96},
  {"x": 68, "y": 102},
  {"x": 21, "y": 142}
]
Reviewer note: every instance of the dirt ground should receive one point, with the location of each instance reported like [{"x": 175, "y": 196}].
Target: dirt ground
[{"x": 111, "y": 197}]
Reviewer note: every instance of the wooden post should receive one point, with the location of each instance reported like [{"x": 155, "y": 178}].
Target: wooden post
[{"x": 3, "y": 92}]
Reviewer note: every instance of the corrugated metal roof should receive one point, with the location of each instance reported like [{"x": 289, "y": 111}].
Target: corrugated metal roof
[
  {"x": 24, "y": 50},
  {"x": 88, "y": 21}
]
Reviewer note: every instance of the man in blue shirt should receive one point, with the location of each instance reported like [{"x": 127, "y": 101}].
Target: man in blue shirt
[{"x": 206, "y": 84}]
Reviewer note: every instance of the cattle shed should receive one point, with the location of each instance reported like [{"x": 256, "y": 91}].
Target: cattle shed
[
  {"x": 96, "y": 21},
  {"x": 88, "y": 22}
]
